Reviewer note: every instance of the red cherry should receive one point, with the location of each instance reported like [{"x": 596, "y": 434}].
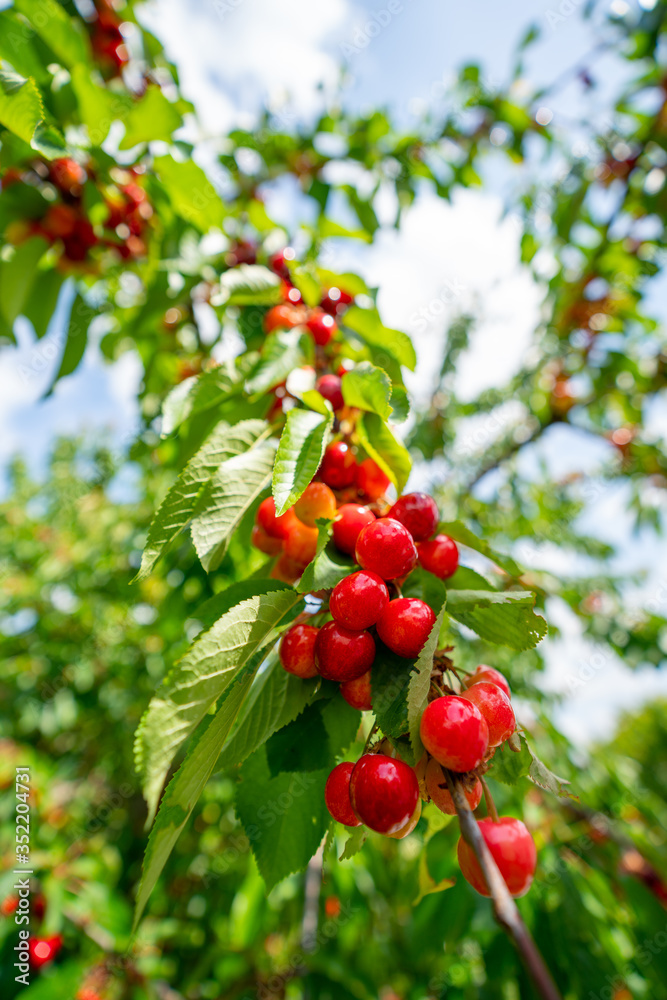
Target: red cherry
[
  {"x": 9, "y": 905},
  {"x": 291, "y": 293},
  {"x": 335, "y": 301},
  {"x": 513, "y": 850},
  {"x": 418, "y": 512},
  {"x": 386, "y": 547},
  {"x": 338, "y": 466},
  {"x": 371, "y": 480},
  {"x": 491, "y": 676},
  {"x": 405, "y": 625},
  {"x": 350, "y": 519},
  {"x": 297, "y": 650},
  {"x": 343, "y": 654},
  {"x": 410, "y": 825},
  {"x": 496, "y": 709},
  {"x": 317, "y": 500},
  {"x": 67, "y": 174},
  {"x": 44, "y": 950},
  {"x": 384, "y": 792},
  {"x": 329, "y": 386},
  {"x": 283, "y": 317},
  {"x": 59, "y": 221},
  {"x": 301, "y": 543},
  {"x": 322, "y": 326},
  {"x": 454, "y": 731},
  {"x": 277, "y": 527},
  {"x": 357, "y": 693},
  {"x": 286, "y": 570},
  {"x": 440, "y": 556},
  {"x": 359, "y": 600},
  {"x": 337, "y": 794},
  {"x": 278, "y": 262},
  {"x": 265, "y": 543},
  {"x": 438, "y": 792}
]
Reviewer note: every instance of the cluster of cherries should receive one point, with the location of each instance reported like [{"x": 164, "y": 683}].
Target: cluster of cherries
[
  {"x": 106, "y": 39},
  {"x": 320, "y": 320},
  {"x": 66, "y": 221},
  {"x": 460, "y": 733}
]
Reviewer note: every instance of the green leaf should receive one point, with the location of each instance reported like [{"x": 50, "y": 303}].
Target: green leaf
[
  {"x": 80, "y": 317},
  {"x": 61, "y": 983},
  {"x": 328, "y": 567},
  {"x": 198, "y": 393},
  {"x": 218, "y": 605},
  {"x": 283, "y": 351},
  {"x": 48, "y": 141},
  {"x": 328, "y": 228},
  {"x": 285, "y": 817},
  {"x": 354, "y": 843},
  {"x": 368, "y": 325},
  {"x": 99, "y": 107},
  {"x": 151, "y": 118},
  {"x": 303, "y": 745},
  {"x": 230, "y": 493},
  {"x": 436, "y": 821},
  {"x": 400, "y": 404},
  {"x": 368, "y": 388},
  {"x": 300, "y": 452},
  {"x": 17, "y": 49},
  {"x": 207, "y": 669},
  {"x": 63, "y": 34},
  {"x": 467, "y": 579},
  {"x": 507, "y": 618},
  {"x": 381, "y": 445},
  {"x": 426, "y": 587},
  {"x": 460, "y": 533},
  {"x": 540, "y": 775},
  {"x": 17, "y": 277},
  {"x": 249, "y": 284},
  {"x": 420, "y": 682},
  {"x": 183, "y": 500},
  {"x": 508, "y": 766},
  {"x": 390, "y": 678},
  {"x": 39, "y": 309},
  {"x": 185, "y": 788},
  {"x": 191, "y": 193}
]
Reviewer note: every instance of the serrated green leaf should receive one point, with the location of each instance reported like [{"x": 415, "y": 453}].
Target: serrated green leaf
[
  {"x": 420, "y": 682},
  {"x": 207, "y": 669},
  {"x": 191, "y": 193},
  {"x": 151, "y": 118},
  {"x": 400, "y": 404},
  {"x": 368, "y": 388},
  {"x": 285, "y": 817},
  {"x": 354, "y": 843},
  {"x": 218, "y": 605},
  {"x": 63, "y": 34},
  {"x": 467, "y": 579},
  {"x": 230, "y": 493},
  {"x": 506, "y": 618},
  {"x": 17, "y": 277},
  {"x": 300, "y": 452},
  {"x": 198, "y": 393},
  {"x": 508, "y": 766},
  {"x": 249, "y": 284},
  {"x": 540, "y": 775},
  {"x": 186, "y": 786},
  {"x": 183, "y": 500},
  {"x": 302, "y": 745},
  {"x": 368, "y": 325},
  {"x": 283, "y": 351},
  {"x": 328, "y": 567},
  {"x": 381, "y": 445},
  {"x": 390, "y": 678},
  {"x": 461, "y": 533},
  {"x": 17, "y": 49}
]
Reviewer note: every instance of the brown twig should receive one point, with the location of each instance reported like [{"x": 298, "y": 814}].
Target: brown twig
[{"x": 504, "y": 908}]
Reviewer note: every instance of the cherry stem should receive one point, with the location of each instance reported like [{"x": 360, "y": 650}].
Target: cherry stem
[
  {"x": 490, "y": 804},
  {"x": 505, "y": 909}
]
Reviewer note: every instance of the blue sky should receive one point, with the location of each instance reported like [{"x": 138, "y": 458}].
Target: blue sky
[{"x": 233, "y": 55}]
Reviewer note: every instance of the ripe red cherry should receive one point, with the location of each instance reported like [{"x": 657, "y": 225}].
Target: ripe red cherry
[
  {"x": 317, "y": 500},
  {"x": 335, "y": 301},
  {"x": 357, "y": 693},
  {"x": 490, "y": 675},
  {"x": 405, "y": 625},
  {"x": 301, "y": 543},
  {"x": 496, "y": 709},
  {"x": 286, "y": 570},
  {"x": 278, "y": 262},
  {"x": 297, "y": 650},
  {"x": 384, "y": 792},
  {"x": 265, "y": 543},
  {"x": 350, "y": 519},
  {"x": 359, "y": 600},
  {"x": 342, "y": 654},
  {"x": 284, "y": 317},
  {"x": 329, "y": 386},
  {"x": 337, "y": 794},
  {"x": 67, "y": 174},
  {"x": 277, "y": 527},
  {"x": 436, "y": 786},
  {"x": 371, "y": 480},
  {"x": 59, "y": 221},
  {"x": 386, "y": 547},
  {"x": 454, "y": 731},
  {"x": 440, "y": 556},
  {"x": 338, "y": 466},
  {"x": 513, "y": 850},
  {"x": 418, "y": 512},
  {"x": 44, "y": 950},
  {"x": 322, "y": 326}
]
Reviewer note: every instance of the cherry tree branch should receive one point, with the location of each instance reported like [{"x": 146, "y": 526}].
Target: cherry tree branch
[{"x": 504, "y": 908}]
